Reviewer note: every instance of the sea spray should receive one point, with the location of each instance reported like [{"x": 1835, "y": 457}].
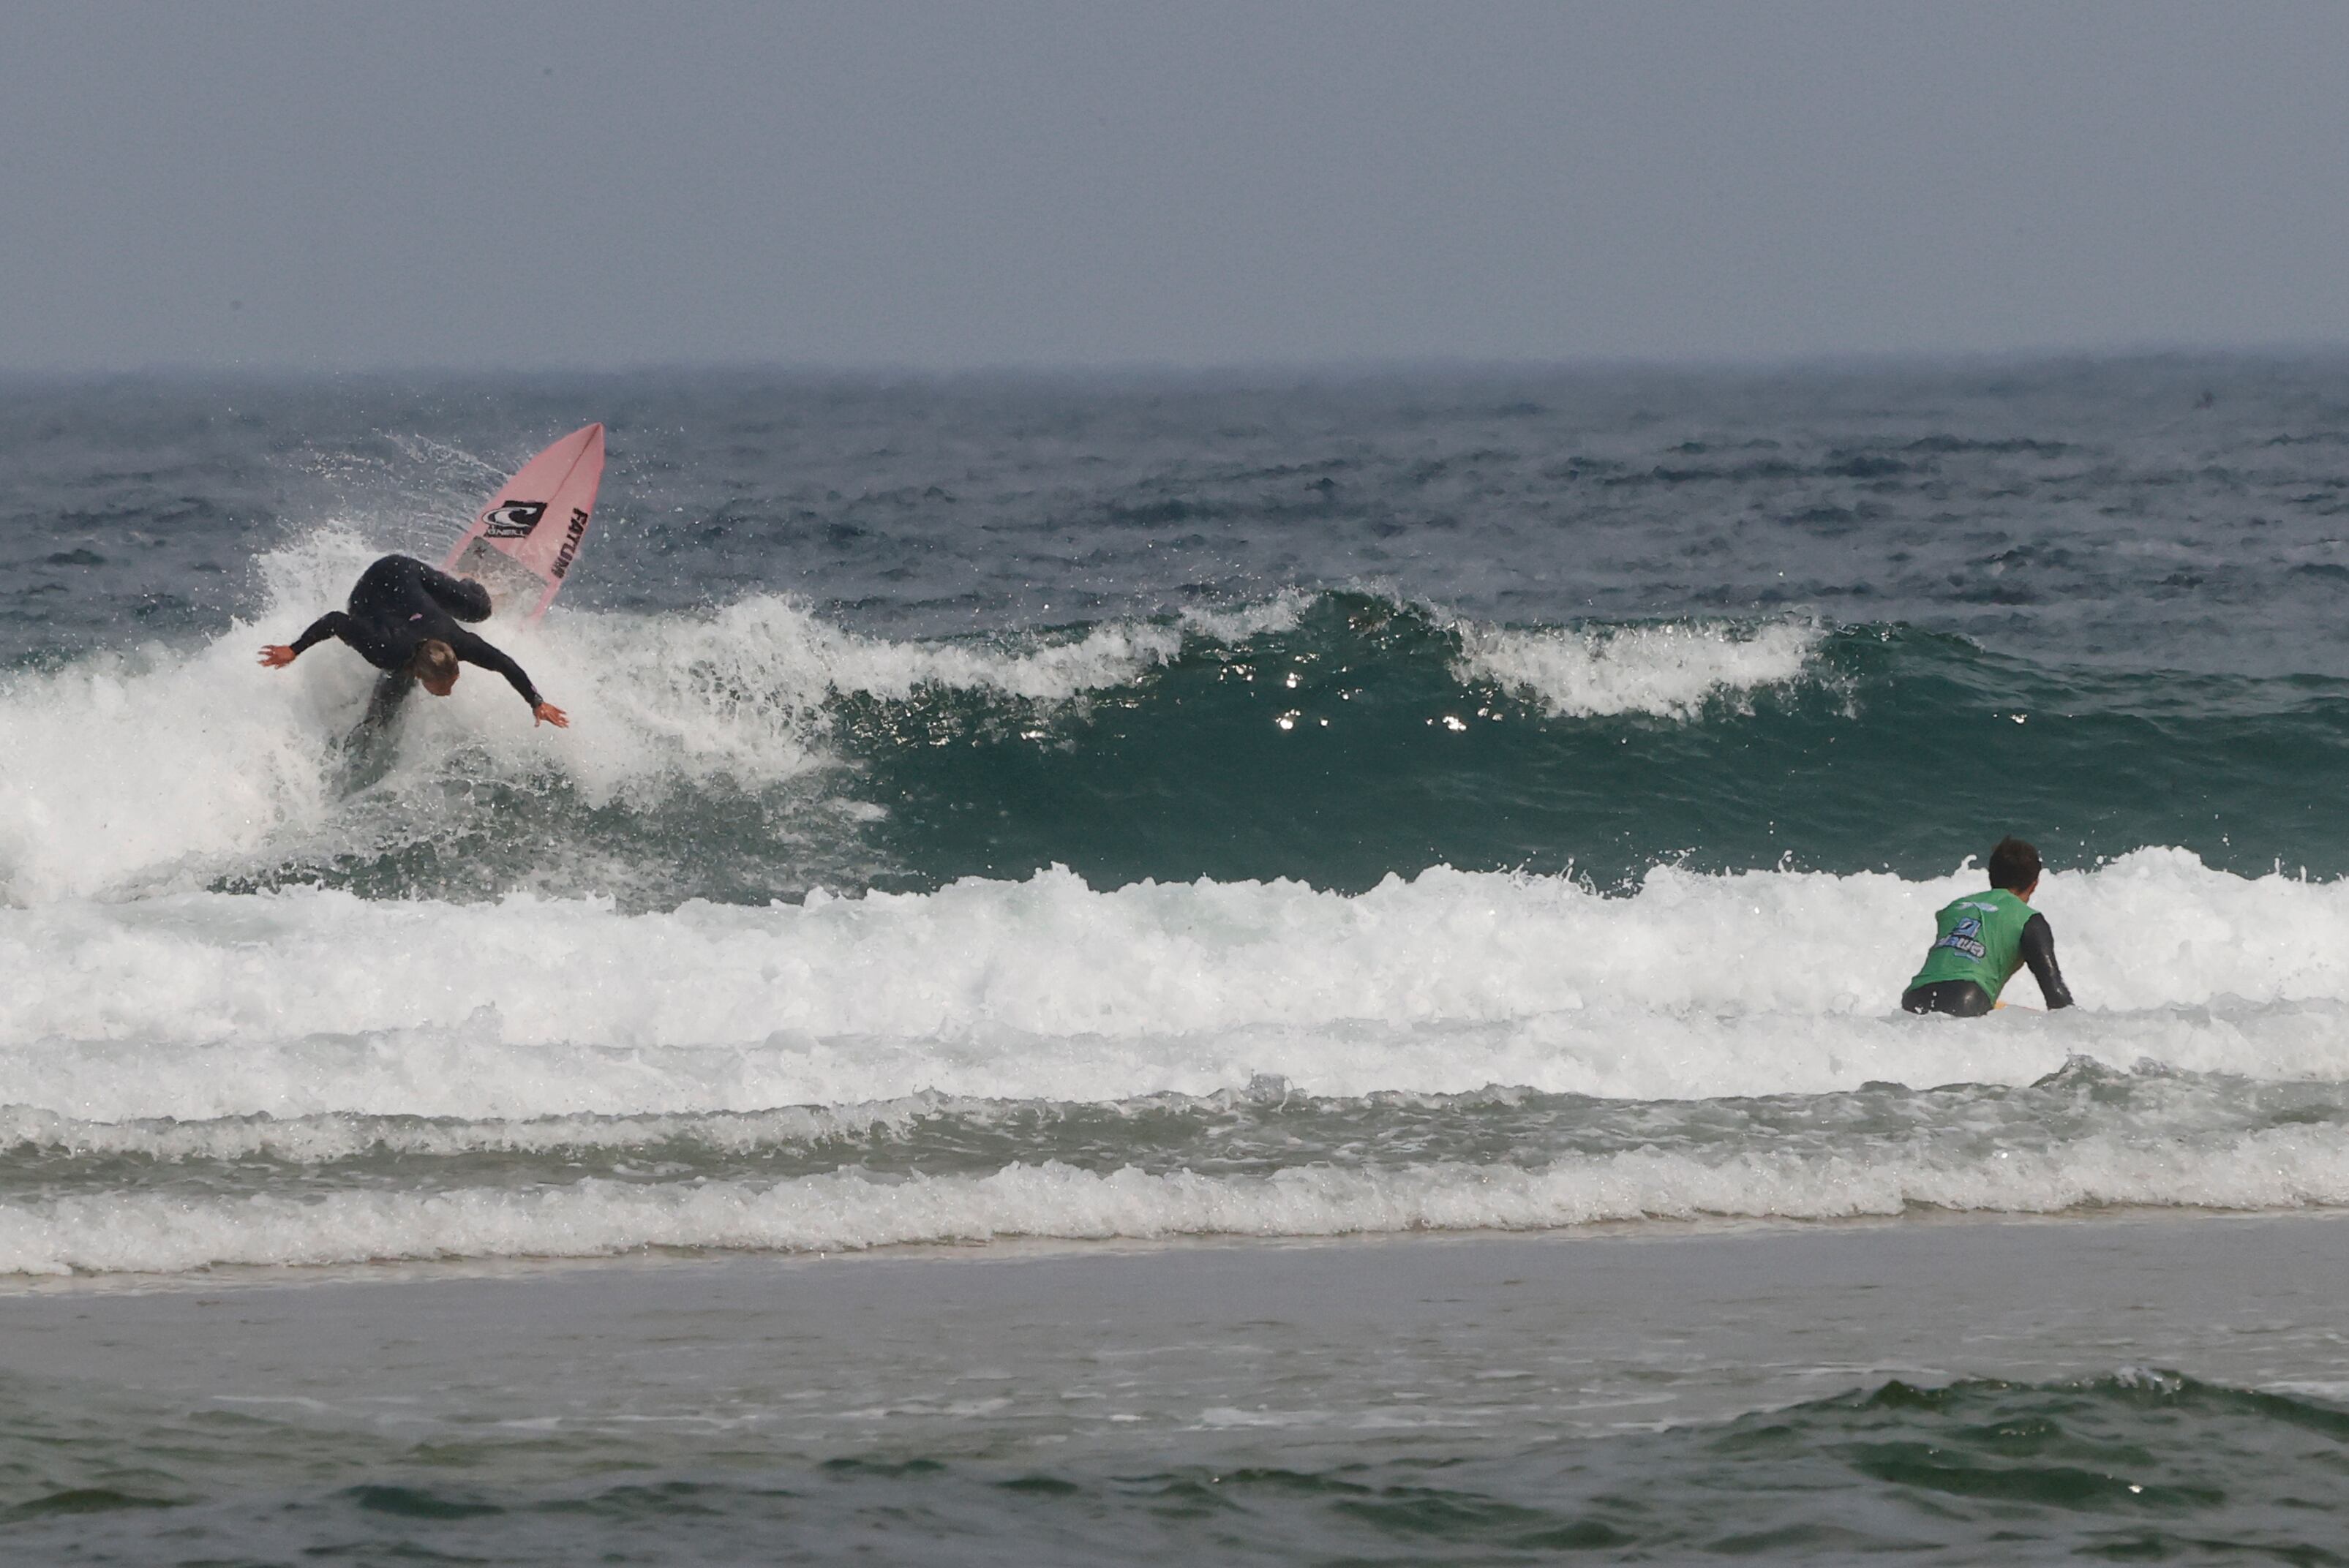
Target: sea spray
[{"x": 1669, "y": 670}]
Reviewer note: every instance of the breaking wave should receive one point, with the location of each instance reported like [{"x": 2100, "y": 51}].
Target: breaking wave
[{"x": 758, "y": 722}]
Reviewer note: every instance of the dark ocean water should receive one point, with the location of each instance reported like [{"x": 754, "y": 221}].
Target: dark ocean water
[
  {"x": 1120, "y": 809},
  {"x": 2144, "y": 1466}
]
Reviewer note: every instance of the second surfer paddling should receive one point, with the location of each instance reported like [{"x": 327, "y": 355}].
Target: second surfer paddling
[
  {"x": 403, "y": 619},
  {"x": 1980, "y": 940}
]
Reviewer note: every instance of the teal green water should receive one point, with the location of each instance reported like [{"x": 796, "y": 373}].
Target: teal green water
[
  {"x": 1893, "y": 749},
  {"x": 1360, "y": 742}
]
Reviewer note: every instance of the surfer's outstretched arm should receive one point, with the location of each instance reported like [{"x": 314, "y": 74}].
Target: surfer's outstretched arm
[
  {"x": 475, "y": 650},
  {"x": 2038, "y": 949},
  {"x": 478, "y": 651},
  {"x": 333, "y": 623}
]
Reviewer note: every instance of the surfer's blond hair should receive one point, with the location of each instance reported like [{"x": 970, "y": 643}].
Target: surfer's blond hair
[{"x": 434, "y": 662}]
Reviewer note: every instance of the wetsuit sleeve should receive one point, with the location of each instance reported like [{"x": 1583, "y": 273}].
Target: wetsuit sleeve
[
  {"x": 2038, "y": 947},
  {"x": 474, "y": 651},
  {"x": 333, "y": 623},
  {"x": 466, "y": 601}
]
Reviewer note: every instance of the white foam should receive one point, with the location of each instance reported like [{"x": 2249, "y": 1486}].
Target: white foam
[
  {"x": 305, "y": 1002},
  {"x": 154, "y": 1232},
  {"x": 1672, "y": 670}
]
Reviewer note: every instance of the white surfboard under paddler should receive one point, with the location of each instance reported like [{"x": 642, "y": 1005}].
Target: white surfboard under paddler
[{"x": 522, "y": 544}]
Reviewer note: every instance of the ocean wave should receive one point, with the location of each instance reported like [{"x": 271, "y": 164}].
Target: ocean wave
[
  {"x": 1238, "y": 624},
  {"x": 165, "y": 767},
  {"x": 1624, "y": 1054},
  {"x": 756, "y": 750},
  {"x": 1267, "y": 1126},
  {"x": 852, "y": 1210},
  {"x": 322, "y": 1138},
  {"x": 129, "y": 771}
]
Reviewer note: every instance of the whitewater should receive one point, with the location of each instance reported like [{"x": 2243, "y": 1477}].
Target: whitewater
[
  {"x": 527, "y": 1074},
  {"x": 325, "y": 1034}
]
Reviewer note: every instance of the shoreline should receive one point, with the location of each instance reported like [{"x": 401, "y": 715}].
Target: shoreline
[
  {"x": 1066, "y": 1403},
  {"x": 1508, "y": 1337},
  {"x": 1016, "y": 1249}
]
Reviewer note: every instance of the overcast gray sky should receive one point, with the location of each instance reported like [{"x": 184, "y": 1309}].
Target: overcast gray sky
[{"x": 1186, "y": 183}]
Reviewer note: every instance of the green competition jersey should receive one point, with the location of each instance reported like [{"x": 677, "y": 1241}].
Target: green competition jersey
[{"x": 1979, "y": 938}]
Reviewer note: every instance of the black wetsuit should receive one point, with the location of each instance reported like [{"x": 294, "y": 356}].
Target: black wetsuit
[
  {"x": 400, "y": 603},
  {"x": 1964, "y": 999}
]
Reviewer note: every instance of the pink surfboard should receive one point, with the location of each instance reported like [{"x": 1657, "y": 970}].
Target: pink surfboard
[{"x": 523, "y": 541}]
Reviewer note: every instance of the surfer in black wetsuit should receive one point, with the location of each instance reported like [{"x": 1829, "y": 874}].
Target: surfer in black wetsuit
[{"x": 403, "y": 620}]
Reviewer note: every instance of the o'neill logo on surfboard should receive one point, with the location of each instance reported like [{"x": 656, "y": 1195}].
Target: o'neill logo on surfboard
[
  {"x": 514, "y": 520},
  {"x": 532, "y": 525}
]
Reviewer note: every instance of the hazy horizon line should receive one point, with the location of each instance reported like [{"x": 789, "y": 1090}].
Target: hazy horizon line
[{"x": 1367, "y": 368}]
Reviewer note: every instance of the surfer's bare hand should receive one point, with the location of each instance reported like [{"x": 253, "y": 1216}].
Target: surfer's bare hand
[
  {"x": 277, "y": 657},
  {"x": 547, "y": 713}
]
